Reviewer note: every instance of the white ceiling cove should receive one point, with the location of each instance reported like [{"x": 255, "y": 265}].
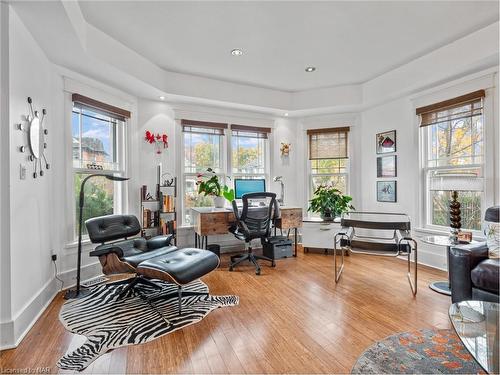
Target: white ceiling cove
[{"x": 348, "y": 42}]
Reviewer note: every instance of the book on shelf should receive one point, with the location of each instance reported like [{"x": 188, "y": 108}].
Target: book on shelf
[
  {"x": 146, "y": 222},
  {"x": 167, "y": 226},
  {"x": 168, "y": 203}
]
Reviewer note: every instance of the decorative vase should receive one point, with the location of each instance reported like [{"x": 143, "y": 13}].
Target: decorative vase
[{"x": 219, "y": 202}]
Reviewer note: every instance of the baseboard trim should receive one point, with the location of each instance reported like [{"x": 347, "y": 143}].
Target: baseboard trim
[
  {"x": 13, "y": 332},
  {"x": 16, "y": 329}
]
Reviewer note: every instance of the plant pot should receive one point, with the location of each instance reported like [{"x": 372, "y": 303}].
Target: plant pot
[
  {"x": 219, "y": 202},
  {"x": 327, "y": 216}
]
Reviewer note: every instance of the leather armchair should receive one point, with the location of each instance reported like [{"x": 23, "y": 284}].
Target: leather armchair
[
  {"x": 473, "y": 276},
  {"x": 125, "y": 255}
]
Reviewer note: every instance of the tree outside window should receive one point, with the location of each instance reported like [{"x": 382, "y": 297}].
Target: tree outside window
[
  {"x": 455, "y": 145},
  {"x": 94, "y": 150}
]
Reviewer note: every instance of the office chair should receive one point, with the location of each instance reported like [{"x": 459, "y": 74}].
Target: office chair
[{"x": 253, "y": 223}]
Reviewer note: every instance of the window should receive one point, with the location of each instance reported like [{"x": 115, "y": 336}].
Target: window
[
  {"x": 328, "y": 155},
  {"x": 97, "y": 146},
  {"x": 206, "y": 145},
  {"x": 203, "y": 148},
  {"x": 453, "y": 134},
  {"x": 248, "y": 151}
]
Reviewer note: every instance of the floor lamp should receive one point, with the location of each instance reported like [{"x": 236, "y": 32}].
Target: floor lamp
[
  {"x": 77, "y": 292},
  {"x": 456, "y": 183}
]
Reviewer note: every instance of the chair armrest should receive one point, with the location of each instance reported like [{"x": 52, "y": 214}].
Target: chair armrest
[
  {"x": 462, "y": 260},
  {"x": 107, "y": 249},
  {"x": 159, "y": 241}
]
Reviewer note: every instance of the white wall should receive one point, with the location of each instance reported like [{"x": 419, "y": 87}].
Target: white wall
[
  {"x": 6, "y": 328},
  {"x": 33, "y": 202},
  {"x": 400, "y": 115}
]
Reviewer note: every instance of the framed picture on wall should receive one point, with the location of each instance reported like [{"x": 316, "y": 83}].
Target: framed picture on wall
[
  {"x": 386, "y": 191},
  {"x": 387, "y": 166},
  {"x": 386, "y": 142}
]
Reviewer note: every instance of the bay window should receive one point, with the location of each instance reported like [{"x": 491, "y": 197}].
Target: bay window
[
  {"x": 454, "y": 152},
  {"x": 206, "y": 145}
]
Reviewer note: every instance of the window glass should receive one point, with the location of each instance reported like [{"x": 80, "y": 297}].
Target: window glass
[
  {"x": 248, "y": 154},
  {"x": 455, "y": 150},
  {"x": 202, "y": 151},
  {"x": 94, "y": 150}
]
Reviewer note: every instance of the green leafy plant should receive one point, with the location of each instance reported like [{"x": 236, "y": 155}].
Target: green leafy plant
[
  {"x": 329, "y": 202},
  {"x": 209, "y": 184}
]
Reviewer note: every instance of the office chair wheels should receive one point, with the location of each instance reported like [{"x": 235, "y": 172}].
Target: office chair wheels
[{"x": 257, "y": 272}]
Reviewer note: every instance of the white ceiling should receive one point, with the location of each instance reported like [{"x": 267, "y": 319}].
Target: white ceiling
[{"x": 348, "y": 42}]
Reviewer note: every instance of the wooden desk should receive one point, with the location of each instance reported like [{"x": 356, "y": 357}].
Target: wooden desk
[{"x": 210, "y": 221}]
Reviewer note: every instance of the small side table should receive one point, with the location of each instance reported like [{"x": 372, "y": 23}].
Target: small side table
[{"x": 441, "y": 286}]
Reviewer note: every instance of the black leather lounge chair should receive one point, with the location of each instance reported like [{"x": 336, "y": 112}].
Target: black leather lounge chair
[
  {"x": 148, "y": 259},
  {"x": 124, "y": 255}
]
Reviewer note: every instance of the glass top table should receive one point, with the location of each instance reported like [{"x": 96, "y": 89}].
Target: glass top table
[
  {"x": 441, "y": 286},
  {"x": 476, "y": 323}
]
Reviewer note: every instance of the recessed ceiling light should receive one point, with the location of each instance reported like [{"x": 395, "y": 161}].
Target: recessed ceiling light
[
  {"x": 162, "y": 97},
  {"x": 310, "y": 69},
  {"x": 286, "y": 114},
  {"x": 236, "y": 52}
]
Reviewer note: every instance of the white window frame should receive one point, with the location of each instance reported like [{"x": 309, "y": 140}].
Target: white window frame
[
  {"x": 488, "y": 157},
  {"x": 267, "y": 163},
  {"x": 226, "y": 168},
  {"x": 222, "y": 174},
  {"x": 310, "y": 175},
  {"x": 118, "y": 188}
]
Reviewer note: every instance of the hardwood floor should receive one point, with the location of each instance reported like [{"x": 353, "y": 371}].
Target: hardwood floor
[{"x": 291, "y": 319}]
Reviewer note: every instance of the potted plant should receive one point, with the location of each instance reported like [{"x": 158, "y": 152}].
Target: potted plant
[
  {"x": 329, "y": 202},
  {"x": 210, "y": 185}
]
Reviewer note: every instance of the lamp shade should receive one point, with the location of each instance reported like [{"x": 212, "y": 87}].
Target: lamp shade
[
  {"x": 492, "y": 214},
  {"x": 456, "y": 182},
  {"x": 116, "y": 178}
]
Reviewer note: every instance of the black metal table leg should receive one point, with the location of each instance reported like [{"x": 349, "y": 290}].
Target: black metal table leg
[
  {"x": 295, "y": 235},
  {"x": 195, "y": 240}
]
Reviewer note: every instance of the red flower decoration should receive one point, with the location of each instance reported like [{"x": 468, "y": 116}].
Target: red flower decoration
[{"x": 156, "y": 139}]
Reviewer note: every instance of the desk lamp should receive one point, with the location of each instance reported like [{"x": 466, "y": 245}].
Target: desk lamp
[{"x": 281, "y": 199}]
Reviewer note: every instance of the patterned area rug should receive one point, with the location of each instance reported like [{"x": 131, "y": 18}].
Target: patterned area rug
[
  {"x": 109, "y": 322},
  {"x": 426, "y": 351}
]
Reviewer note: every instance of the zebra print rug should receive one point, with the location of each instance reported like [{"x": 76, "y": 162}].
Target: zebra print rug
[{"x": 109, "y": 322}]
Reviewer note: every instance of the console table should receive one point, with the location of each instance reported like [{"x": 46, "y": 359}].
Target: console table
[
  {"x": 318, "y": 233},
  {"x": 209, "y": 221}
]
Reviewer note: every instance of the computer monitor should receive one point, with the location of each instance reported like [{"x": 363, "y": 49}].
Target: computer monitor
[{"x": 243, "y": 186}]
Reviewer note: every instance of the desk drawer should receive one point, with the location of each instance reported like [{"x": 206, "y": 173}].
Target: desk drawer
[{"x": 213, "y": 223}]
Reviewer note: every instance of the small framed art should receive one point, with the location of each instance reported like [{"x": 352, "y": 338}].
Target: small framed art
[
  {"x": 386, "y": 142},
  {"x": 387, "y": 166},
  {"x": 386, "y": 191}
]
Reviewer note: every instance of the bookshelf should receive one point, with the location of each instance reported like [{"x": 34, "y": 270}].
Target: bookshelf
[{"x": 159, "y": 213}]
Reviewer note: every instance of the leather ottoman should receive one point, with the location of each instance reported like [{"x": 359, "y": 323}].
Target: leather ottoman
[{"x": 180, "y": 267}]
